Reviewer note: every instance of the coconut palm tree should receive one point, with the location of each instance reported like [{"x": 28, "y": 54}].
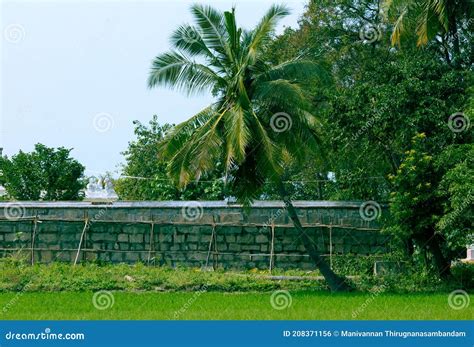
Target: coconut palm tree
[
  {"x": 428, "y": 18},
  {"x": 261, "y": 119}
]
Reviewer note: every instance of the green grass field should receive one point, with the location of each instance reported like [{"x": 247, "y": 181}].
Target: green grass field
[{"x": 239, "y": 306}]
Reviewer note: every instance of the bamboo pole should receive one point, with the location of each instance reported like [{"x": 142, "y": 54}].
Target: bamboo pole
[
  {"x": 210, "y": 245},
  {"x": 152, "y": 242},
  {"x": 86, "y": 223},
  {"x": 33, "y": 237},
  {"x": 272, "y": 247}
]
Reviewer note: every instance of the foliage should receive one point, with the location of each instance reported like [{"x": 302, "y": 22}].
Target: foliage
[
  {"x": 456, "y": 192},
  {"x": 464, "y": 274},
  {"x": 443, "y": 23},
  {"x": 385, "y": 96},
  {"x": 414, "y": 191},
  {"x": 46, "y": 173},
  {"x": 144, "y": 175},
  {"x": 386, "y": 106},
  {"x": 251, "y": 97},
  {"x": 17, "y": 275},
  {"x": 425, "y": 204}
]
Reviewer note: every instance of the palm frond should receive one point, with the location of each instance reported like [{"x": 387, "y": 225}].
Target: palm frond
[
  {"x": 212, "y": 27},
  {"x": 427, "y": 24},
  {"x": 187, "y": 39},
  {"x": 297, "y": 70},
  {"x": 179, "y": 134},
  {"x": 439, "y": 8},
  {"x": 305, "y": 136},
  {"x": 268, "y": 163},
  {"x": 398, "y": 29},
  {"x": 281, "y": 95},
  {"x": 238, "y": 135},
  {"x": 178, "y": 72},
  {"x": 207, "y": 149},
  {"x": 199, "y": 150},
  {"x": 248, "y": 181},
  {"x": 233, "y": 34},
  {"x": 262, "y": 32},
  {"x": 426, "y": 16}
]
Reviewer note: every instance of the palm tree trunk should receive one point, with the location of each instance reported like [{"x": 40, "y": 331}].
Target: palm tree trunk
[{"x": 335, "y": 282}]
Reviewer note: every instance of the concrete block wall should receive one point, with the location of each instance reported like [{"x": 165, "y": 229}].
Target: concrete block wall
[{"x": 186, "y": 233}]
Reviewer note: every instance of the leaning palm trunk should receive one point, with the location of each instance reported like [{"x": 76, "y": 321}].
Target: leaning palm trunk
[{"x": 335, "y": 282}]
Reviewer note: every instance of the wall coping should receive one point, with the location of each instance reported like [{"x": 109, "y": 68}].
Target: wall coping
[{"x": 181, "y": 204}]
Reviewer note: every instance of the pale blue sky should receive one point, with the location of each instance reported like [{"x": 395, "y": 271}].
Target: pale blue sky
[{"x": 66, "y": 64}]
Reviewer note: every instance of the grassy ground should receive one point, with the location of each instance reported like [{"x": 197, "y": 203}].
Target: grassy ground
[
  {"x": 239, "y": 306},
  {"x": 19, "y": 276}
]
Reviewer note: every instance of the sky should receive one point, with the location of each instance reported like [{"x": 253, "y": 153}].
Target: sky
[{"x": 74, "y": 74}]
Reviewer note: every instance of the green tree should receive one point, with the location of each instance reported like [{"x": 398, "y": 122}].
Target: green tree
[
  {"x": 432, "y": 201},
  {"x": 144, "y": 175},
  {"x": 414, "y": 207},
  {"x": 383, "y": 97},
  {"x": 46, "y": 173},
  {"x": 456, "y": 192},
  {"x": 262, "y": 119}
]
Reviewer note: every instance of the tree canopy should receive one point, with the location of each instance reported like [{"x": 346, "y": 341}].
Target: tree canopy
[
  {"x": 45, "y": 173},
  {"x": 144, "y": 175}
]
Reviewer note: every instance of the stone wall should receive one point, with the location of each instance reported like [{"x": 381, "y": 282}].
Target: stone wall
[{"x": 186, "y": 233}]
